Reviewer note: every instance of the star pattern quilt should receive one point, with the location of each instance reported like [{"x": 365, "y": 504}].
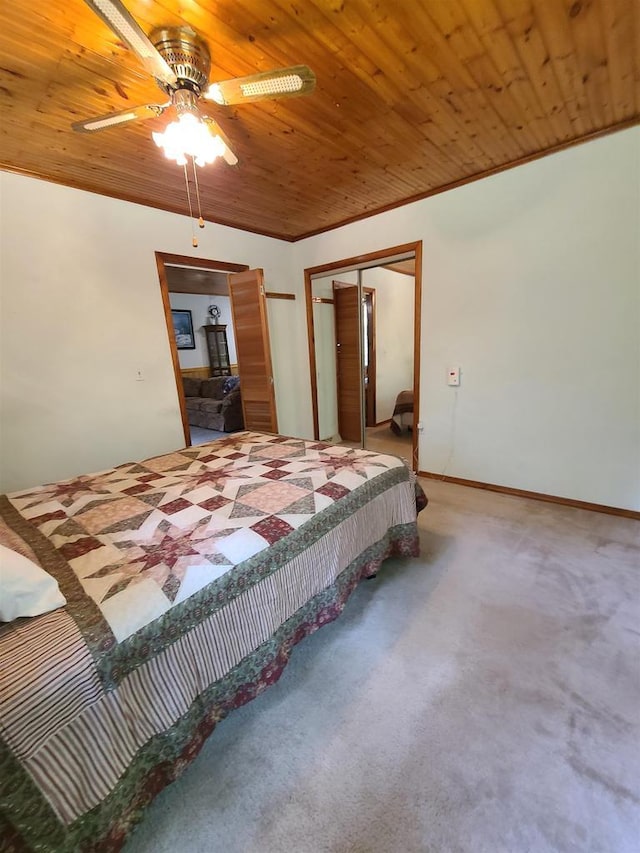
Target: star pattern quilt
[{"x": 188, "y": 578}]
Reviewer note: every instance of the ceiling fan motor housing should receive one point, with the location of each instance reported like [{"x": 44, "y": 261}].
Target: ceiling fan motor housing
[{"x": 186, "y": 54}]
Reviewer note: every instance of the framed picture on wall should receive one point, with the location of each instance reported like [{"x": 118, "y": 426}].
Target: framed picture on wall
[{"x": 183, "y": 329}]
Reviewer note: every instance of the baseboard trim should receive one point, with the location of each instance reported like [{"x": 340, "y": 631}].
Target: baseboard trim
[
  {"x": 536, "y": 496},
  {"x": 381, "y": 423}
]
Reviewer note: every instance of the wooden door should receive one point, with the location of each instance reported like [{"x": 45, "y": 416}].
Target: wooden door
[
  {"x": 348, "y": 362},
  {"x": 249, "y": 311}
]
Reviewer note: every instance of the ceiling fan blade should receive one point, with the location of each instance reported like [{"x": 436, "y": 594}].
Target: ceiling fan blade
[
  {"x": 228, "y": 154},
  {"x": 120, "y": 20},
  {"x": 281, "y": 83},
  {"x": 90, "y": 125}
]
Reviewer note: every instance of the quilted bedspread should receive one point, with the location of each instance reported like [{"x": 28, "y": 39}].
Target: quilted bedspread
[{"x": 188, "y": 579}]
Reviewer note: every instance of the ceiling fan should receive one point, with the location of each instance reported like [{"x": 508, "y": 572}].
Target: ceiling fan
[{"x": 179, "y": 60}]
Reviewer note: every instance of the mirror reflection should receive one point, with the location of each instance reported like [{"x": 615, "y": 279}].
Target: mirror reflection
[{"x": 363, "y": 328}]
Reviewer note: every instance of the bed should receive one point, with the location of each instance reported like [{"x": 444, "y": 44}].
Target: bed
[{"x": 188, "y": 578}]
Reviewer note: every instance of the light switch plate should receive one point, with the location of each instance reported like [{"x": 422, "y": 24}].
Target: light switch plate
[{"x": 453, "y": 376}]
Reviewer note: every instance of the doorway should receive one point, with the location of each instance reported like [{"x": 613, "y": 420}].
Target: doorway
[
  {"x": 382, "y": 395},
  {"x": 194, "y": 276}
]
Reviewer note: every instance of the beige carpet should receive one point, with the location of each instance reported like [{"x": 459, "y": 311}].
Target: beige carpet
[
  {"x": 381, "y": 440},
  {"x": 484, "y": 697}
]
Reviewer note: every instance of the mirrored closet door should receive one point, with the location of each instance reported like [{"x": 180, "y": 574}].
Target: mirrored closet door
[{"x": 363, "y": 345}]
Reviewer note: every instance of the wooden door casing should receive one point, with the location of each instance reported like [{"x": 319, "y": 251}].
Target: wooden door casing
[
  {"x": 346, "y": 306},
  {"x": 251, "y": 329}
]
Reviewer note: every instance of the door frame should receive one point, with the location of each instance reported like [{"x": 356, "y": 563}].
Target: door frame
[
  {"x": 370, "y": 259},
  {"x": 162, "y": 259}
]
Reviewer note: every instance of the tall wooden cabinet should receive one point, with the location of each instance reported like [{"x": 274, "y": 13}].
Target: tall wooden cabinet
[{"x": 218, "y": 350}]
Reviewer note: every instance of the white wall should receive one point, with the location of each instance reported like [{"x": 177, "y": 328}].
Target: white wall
[
  {"x": 82, "y": 312},
  {"x": 198, "y": 304},
  {"x": 395, "y": 295},
  {"x": 531, "y": 285}
]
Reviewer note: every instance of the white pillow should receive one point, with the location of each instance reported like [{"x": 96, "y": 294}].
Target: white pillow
[{"x": 25, "y": 588}]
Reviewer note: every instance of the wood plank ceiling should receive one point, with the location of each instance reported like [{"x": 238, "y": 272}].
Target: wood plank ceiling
[
  {"x": 190, "y": 280},
  {"x": 412, "y": 97}
]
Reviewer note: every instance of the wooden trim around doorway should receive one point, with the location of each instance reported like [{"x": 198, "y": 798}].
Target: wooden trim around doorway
[
  {"x": 163, "y": 258},
  {"x": 368, "y": 259},
  {"x": 311, "y": 340},
  {"x": 417, "y": 330},
  {"x": 200, "y": 263}
]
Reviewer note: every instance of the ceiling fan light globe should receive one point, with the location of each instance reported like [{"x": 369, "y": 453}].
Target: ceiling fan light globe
[
  {"x": 217, "y": 145},
  {"x": 215, "y": 94},
  {"x": 189, "y": 137}
]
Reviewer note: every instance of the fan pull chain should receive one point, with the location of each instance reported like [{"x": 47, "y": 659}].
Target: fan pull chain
[
  {"x": 195, "y": 180},
  {"x": 194, "y": 239}
]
